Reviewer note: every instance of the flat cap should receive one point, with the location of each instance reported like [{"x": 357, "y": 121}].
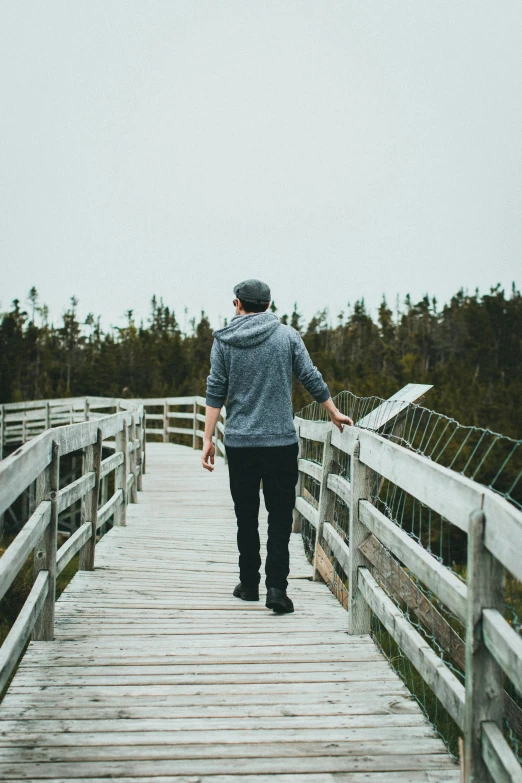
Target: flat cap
[{"x": 253, "y": 291}]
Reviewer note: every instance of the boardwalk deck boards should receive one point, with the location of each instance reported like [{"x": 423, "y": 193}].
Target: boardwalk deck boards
[{"x": 157, "y": 673}]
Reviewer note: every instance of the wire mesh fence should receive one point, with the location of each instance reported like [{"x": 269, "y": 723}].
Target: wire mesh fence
[{"x": 484, "y": 456}]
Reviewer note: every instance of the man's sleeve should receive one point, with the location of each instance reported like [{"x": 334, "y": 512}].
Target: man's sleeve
[
  {"x": 217, "y": 381},
  {"x": 306, "y": 372}
]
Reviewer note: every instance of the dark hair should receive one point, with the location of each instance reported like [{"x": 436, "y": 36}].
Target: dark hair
[{"x": 253, "y": 307}]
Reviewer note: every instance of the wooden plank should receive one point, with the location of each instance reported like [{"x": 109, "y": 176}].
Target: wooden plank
[
  {"x": 20, "y": 632},
  {"x": 23, "y": 467},
  {"x": 448, "y": 493},
  {"x": 339, "y": 547},
  {"x": 382, "y": 415},
  {"x": 73, "y": 545},
  {"x": 311, "y": 469},
  {"x": 446, "y": 586},
  {"x": 326, "y": 497},
  {"x": 503, "y": 535},
  {"x": 500, "y": 760},
  {"x": 44, "y": 559},
  {"x": 75, "y": 491},
  {"x": 313, "y": 430},
  {"x": 307, "y": 510},
  {"x": 19, "y": 550},
  {"x": 110, "y": 463},
  {"x": 484, "y": 676},
  {"x": 359, "y": 617},
  {"x": 504, "y": 644},
  {"x": 326, "y": 570},
  {"x": 108, "y": 509},
  {"x": 341, "y": 487},
  {"x": 432, "y": 669}
]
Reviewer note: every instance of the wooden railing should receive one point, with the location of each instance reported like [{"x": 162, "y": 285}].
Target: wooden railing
[
  {"x": 493, "y": 649},
  {"x": 37, "y": 462}
]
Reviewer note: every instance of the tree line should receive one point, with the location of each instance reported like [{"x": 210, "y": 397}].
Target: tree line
[{"x": 470, "y": 349}]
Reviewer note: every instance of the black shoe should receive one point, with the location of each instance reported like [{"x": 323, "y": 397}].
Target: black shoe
[
  {"x": 279, "y": 601},
  {"x": 246, "y": 593}
]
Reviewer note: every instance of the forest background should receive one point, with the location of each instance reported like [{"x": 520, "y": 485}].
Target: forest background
[{"x": 470, "y": 349}]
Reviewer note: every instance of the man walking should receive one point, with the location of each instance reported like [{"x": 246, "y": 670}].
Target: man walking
[{"x": 252, "y": 362}]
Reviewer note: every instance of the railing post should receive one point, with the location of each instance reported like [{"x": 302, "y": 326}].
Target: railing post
[
  {"x": 326, "y": 498},
  {"x": 47, "y": 415},
  {"x": 297, "y": 525},
  {"x": 359, "y": 615},
  {"x": 165, "y": 422},
  {"x": 143, "y": 443},
  {"x": 195, "y": 426},
  {"x": 89, "y": 511},
  {"x": 2, "y": 431},
  {"x": 86, "y": 409},
  {"x": 484, "y": 677},
  {"x": 139, "y": 454},
  {"x": 47, "y": 486},
  {"x": 133, "y": 462},
  {"x": 121, "y": 473}
]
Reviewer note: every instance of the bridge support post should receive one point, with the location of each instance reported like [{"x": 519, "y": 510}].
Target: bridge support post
[
  {"x": 484, "y": 677},
  {"x": 298, "y": 523},
  {"x": 47, "y": 486},
  {"x": 120, "y": 515},
  {"x": 89, "y": 511},
  {"x": 195, "y": 426},
  {"x": 140, "y": 454},
  {"x": 359, "y": 614},
  {"x": 133, "y": 463},
  {"x": 165, "y": 422},
  {"x": 326, "y": 498}
]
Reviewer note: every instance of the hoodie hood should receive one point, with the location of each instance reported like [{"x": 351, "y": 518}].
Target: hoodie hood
[{"x": 245, "y": 331}]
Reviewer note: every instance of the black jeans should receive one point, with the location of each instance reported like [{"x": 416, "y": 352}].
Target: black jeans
[{"x": 277, "y": 467}]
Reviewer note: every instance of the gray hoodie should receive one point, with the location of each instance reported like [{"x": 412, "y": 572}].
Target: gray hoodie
[{"x": 252, "y": 362}]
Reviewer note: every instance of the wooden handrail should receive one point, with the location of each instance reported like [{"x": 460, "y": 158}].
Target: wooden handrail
[{"x": 492, "y": 649}]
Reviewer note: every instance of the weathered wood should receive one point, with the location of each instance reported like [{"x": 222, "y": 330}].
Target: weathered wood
[
  {"x": 195, "y": 425},
  {"x": 311, "y": 469},
  {"x": 133, "y": 465},
  {"x": 431, "y": 668},
  {"x": 327, "y": 572},
  {"x": 450, "y": 494},
  {"x": 19, "y": 550},
  {"x": 89, "y": 513},
  {"x": 313, "y": 430},
  {"x": 326, "y": 496},
  {"x": 499, "y": 759},
  {"x": 446, "y": 586},
  {"x": 110, "y": 463},
  {"x": 338, "y": 546},
  {"x": 359, "y": 617},
  {"x": 297, "y": 522},
  {"x": 20, "y": 632},
  {"x": 503, "y": 536},
  {"x": 165, "y": 422},
  {"x": 341, "y": 487},
  {"x": 395, "y": 579},
  {"x": 75, "y": 491},
  {"x": 45, "y": 551},
  {"x": 109, "y": 508},
  {"x": 504, "y": 644},
  {"x": 22, "y": 467},
  {"x": 307, "y": 510},
  {"x": 73, "y": 545},
  {"x": 120, "y": 510},
  {"x": 381, "y": 416},
  {"x": 484, "y": 676}
]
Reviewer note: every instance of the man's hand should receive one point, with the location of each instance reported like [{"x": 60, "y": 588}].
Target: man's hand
[
  {"x": 339, "y": 419},
  {"x": 207, "y": 455}
]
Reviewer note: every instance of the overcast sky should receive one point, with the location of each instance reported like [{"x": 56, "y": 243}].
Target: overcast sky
[{"x": 337, "y": 150}]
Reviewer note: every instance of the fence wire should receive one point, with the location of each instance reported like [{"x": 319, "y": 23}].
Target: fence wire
[{"x": 487, "y": 457}]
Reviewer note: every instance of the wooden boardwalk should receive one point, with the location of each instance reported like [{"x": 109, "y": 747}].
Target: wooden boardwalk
[{"x": 158, "y": 673}]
